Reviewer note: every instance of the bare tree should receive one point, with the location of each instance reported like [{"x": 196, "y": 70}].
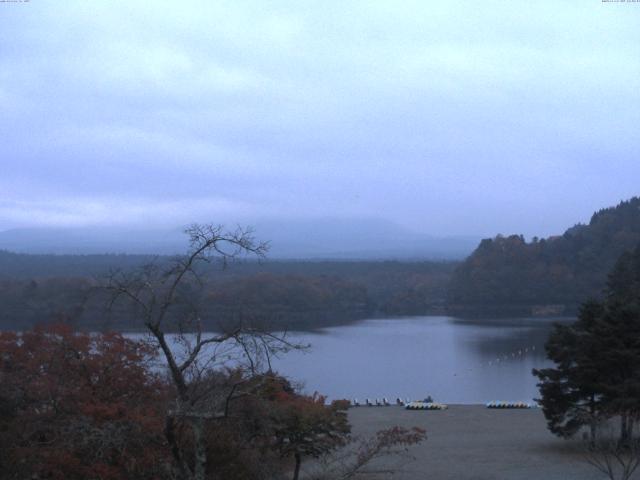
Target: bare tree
[
  {"x": 614, "y": 458},
  {"x": 369, "y": 456},
  {"x": 165, "y": 296}
]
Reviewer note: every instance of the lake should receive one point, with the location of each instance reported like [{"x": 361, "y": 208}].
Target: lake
[{"x": 453, "y": 360}]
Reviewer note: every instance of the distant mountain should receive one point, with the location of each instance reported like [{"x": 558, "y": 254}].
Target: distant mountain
[
  {"x": 332, "y": 238},
  {"x": 328, "y": 238},
  {"x": 552, "y": 276}
]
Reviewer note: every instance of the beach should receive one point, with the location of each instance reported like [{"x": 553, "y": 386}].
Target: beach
[{"x": 476, "y": 443}]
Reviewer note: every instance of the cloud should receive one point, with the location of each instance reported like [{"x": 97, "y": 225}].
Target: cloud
[
  {"x": 449, "y": 117},
  {"x": 108, "y": 211}
]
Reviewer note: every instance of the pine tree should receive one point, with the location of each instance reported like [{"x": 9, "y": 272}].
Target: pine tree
[
  {"x": 597, "y": 372},
  {"x": 570, "y": 399}
]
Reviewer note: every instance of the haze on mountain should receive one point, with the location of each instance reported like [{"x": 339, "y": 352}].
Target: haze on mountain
[{"x": 324, "y": 238}]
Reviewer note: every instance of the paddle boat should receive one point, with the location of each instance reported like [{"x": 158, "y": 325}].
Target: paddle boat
[
  {"x": 500, "y": 404},
  {"x": 420, "y": 405}
]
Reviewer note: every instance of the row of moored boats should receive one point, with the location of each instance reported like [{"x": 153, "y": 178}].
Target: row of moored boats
[{"x": 429, "y": 404}]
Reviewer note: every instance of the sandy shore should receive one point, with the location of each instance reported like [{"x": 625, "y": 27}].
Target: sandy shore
[{"x": 473, "y": 442}]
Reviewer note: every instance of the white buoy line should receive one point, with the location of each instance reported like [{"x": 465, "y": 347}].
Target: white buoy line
[{"x": 513, "y": 355}]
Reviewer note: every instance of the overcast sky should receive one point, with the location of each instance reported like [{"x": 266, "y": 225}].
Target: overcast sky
[{"x": 448, "y": 117}]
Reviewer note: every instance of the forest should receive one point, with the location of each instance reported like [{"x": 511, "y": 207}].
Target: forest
[
  {"x": 286, "y": 295},
  {"x": 507, "y": 275},
  {"x": 504, "y": 276}
]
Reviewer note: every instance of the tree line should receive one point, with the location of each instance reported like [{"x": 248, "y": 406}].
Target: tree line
[
  {"x": 512, "y": 276},
  {"x": 504, "y": 276},
  {"x": 298, "y": 295}
]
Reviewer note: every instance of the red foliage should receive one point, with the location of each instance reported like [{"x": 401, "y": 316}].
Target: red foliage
[
  {"x": 77, "y": 405},
  {"x": 305, "y": 424}
]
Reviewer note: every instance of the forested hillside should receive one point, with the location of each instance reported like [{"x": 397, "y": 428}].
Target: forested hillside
[
  {"x": 279, "y": 294},
  {"x": 503, "y": 276},
  {"x": 508, "y": 275}
]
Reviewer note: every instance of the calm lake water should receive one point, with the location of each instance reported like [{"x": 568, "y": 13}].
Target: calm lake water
[{"x": 453, "y": 360}]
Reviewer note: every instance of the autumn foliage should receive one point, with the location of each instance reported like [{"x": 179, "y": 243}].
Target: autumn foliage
[
  {"x": 95, "y": 406},
  {"x": 77, "y": 406}
]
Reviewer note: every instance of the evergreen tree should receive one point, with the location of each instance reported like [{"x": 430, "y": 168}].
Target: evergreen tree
[
  {"x": 570, "y": 398},
  {"x": 597, "y": 372}
]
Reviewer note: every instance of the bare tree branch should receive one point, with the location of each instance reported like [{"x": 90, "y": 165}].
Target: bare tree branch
[{"x": 163, "y": 294}]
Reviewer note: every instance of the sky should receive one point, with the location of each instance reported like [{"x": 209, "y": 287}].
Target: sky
[{"x": 447, "y": 118}]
